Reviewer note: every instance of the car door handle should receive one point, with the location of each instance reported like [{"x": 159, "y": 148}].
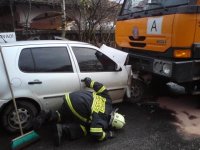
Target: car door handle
[{"x": 35, "y": 82}]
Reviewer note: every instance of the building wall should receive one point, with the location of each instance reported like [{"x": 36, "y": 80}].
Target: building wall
[{"x": 27, "y": 13}]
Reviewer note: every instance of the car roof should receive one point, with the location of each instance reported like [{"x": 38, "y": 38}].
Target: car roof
[{"x": 40, "y": 42}]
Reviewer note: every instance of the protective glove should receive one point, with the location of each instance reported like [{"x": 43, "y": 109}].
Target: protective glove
[
  {"x": 110, "y": 135},
  {"x": 87, "y": 81}
]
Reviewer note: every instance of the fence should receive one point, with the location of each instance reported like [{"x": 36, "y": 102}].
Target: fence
[{"x": 97, "y": 38}]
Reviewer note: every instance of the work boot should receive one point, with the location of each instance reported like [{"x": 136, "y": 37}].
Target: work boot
[{"x": 57, "y": 134}]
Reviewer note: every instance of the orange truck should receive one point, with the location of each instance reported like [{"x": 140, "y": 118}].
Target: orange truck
[{"x": 162, "y": 38}]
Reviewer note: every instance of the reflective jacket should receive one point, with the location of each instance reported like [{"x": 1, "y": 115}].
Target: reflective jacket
[{"x": 92, "y": 109}]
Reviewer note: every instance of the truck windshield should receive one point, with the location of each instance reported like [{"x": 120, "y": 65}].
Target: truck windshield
[{"x": 131, "y": 6}]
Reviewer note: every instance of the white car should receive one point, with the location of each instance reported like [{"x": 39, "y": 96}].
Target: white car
[{"x": 42, "y": 71}]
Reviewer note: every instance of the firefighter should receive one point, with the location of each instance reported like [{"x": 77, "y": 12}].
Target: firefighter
[{"x": 82, "y": 113}]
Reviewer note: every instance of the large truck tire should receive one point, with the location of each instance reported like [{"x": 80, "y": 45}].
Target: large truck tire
[{"x": 158, "y": 86}]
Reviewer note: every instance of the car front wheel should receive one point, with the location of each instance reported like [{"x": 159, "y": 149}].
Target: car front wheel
[
  {"x": 27, "y": 111},
  {"x": 137, "y": 90}
]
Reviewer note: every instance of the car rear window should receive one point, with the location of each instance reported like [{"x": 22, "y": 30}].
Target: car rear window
[{"x": 45, "y": 59}]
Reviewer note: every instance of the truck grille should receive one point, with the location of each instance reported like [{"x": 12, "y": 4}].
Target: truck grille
[
  {"x": 140, "y": 38},
  {"x": 136, "y": 42}
]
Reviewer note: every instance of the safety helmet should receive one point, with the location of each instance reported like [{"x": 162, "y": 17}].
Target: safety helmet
[{"x": 117, "y": 120}]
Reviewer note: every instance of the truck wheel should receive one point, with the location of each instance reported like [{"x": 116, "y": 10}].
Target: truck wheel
[
  {"x": 137, "y": 91},
  {"x": 158, "y": 86},
  {"x": 27, "y": 111}
]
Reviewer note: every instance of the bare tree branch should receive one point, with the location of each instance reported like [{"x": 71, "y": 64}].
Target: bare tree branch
[{"x": 92, "y": 18}]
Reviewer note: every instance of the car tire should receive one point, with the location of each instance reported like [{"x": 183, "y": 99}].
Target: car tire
[
  {"x": 137, "y": 90},
  {"x": 27, "y": 112}
]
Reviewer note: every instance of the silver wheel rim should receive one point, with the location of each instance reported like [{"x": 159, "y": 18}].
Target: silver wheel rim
[
  {"x": 24, "y": 116},
  {"x": 136, "y": 92}
]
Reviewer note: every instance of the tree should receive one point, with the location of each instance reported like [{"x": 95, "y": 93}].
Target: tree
[{"x": 91, "y": 16}]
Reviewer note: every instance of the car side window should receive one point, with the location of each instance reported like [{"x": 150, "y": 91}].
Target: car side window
[
  {"x": 26, "y": 63},
  {"x": 91, "y": 60},
  {"x": 45, "y": 59}
]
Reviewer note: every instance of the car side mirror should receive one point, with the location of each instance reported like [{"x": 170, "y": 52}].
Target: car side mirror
[{"x": 118, "y": 67}]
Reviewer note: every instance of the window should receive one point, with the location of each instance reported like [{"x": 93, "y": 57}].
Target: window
[
  {"x": 26, "y": 61},
  {"x": 131, "y": 6},
  {"x": 175, "y": 2},
  {"x": 51, "y": 59},
  {"x": 91, "y": 60}
]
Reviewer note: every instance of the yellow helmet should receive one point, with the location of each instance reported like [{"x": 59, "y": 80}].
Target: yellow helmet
[{"x": 117, "y": 120}]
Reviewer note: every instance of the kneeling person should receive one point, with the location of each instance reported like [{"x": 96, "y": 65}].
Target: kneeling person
[{"x": 84, "y": 112}]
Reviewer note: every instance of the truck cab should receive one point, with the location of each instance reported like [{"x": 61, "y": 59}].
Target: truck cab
[{"x": 162, "y": 38}]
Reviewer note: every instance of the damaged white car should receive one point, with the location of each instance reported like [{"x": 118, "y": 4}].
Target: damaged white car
[{"x": 42, "y": 71}]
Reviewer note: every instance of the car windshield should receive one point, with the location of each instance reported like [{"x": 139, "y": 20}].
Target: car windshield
[{"x": 132, "y": 6}]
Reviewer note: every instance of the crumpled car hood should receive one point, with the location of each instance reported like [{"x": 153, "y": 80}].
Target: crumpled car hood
[{"x": 115, "y": 54}]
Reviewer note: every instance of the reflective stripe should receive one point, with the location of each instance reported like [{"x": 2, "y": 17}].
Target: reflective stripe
[
  {"x": 84, "y": 130},
  {"x": 73, "y": 110},
  {"x": 92, "y": 84},
  {"x": 96, "y": 130},
  {"x": 103, "y": 136},
  {"x": 98, "y": 104},
  {"x": 101, "y": 89},
  {"x": 59, "y": 118}
]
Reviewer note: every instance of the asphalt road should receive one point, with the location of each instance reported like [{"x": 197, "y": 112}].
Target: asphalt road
[{"x": 148, "y": 127}]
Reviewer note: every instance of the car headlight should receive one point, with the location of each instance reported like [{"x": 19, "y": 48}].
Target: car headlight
[{"x": 166, "y": 69}]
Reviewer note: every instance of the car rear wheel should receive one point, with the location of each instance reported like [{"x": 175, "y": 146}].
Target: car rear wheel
[{"x": 27, "y": 111}]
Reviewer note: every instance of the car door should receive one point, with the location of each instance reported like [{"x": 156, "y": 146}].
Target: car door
[
  {"x": 48, "y": 72},
  {"x": 94, "y": 64}
]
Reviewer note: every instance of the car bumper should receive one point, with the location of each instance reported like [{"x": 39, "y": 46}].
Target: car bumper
[{"x": 177, "y": 71}]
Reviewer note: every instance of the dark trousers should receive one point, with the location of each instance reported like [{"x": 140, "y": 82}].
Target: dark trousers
[{"x": 71, "y": 127}]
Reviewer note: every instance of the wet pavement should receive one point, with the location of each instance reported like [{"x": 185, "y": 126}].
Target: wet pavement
[{"x": 167, "y": 122}]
